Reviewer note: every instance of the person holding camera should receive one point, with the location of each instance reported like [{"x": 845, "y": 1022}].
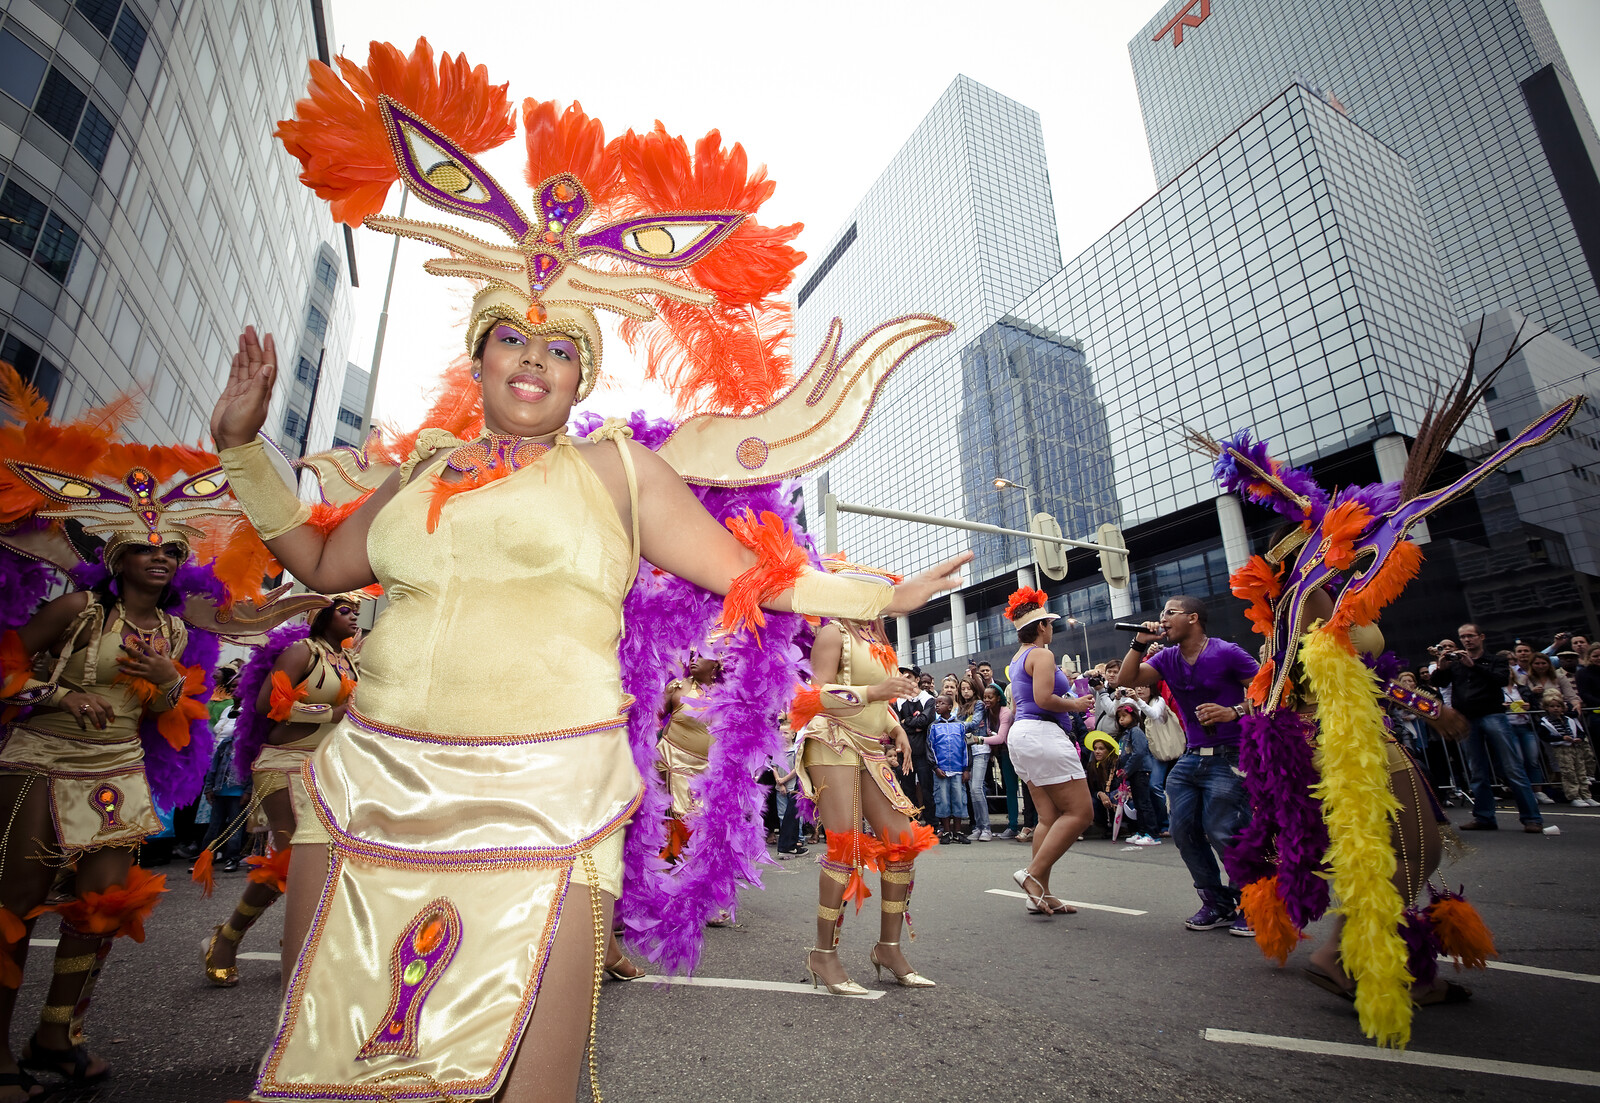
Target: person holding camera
[{"x": 1476, "y": 680}]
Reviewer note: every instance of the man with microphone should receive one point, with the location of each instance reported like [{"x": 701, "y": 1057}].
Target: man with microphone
[{"x": 1205, "y": 790}]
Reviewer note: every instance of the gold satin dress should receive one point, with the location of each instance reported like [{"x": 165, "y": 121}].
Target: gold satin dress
[
  {"x": 852, "y": 737},
  {"x": 684, "y": 750},
  {"x": 98, "y": 793},
  {"x": 462, "y": 793},
  {"x": 278, "y": 765}
]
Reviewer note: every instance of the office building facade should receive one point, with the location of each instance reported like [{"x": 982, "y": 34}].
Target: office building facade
[
  {"x": 1475, "y": 95},
  {"x": 147, "y": 214}
]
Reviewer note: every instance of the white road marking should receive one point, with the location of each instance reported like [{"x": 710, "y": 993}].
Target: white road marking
[
  {"x": 1074, "y": 903},
  {"x": 758, "y": 986},
  {"x": 42, "y": 941},
  {"x": 259, "y": 955},
  {"x": 1548, "y": 1073},
  {"x": 1559, "y": 974}
]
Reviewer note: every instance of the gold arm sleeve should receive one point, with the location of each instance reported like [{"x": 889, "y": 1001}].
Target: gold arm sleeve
[
  {"x": 269, "y": 504},
  {"x": 820, "y": 594},
  {"x": 843, "y": 700},
  {"x": 302, "y": 712}
]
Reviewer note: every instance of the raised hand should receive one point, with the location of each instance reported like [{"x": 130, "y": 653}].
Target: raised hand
[
  {"x": 241, "y": 409},
  {"x": 915, "y": 592}
]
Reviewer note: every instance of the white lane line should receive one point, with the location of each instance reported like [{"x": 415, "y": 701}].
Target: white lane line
[
  {"x": 259, "y": 955},
  {"x": 1559, "y": 974},
  {"x": 758, "y": 986},
  {"x": 42, "y": 941},
  {"x": 1074, "y": 903},
  {"x": 1548, "y": 1073}
]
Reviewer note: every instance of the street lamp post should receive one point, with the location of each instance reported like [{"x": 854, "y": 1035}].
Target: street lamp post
[
  {"x": 1076, "y": 623},
  {"x": 1001, "y": 484}
]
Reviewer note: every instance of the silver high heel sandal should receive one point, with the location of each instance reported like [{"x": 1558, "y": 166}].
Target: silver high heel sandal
[
  {"x": 847, "y": 987},
  {"x": 912, "y": 979}
]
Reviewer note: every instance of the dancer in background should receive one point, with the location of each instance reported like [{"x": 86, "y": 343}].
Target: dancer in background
[
  {"x": 851, "y": 745},
  {"x": 468, "y": 843},
  {"x": 296, "y": 688}
]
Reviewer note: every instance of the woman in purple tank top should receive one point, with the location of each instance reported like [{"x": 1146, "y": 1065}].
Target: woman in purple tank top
[{"x": 1041, "y": 750}]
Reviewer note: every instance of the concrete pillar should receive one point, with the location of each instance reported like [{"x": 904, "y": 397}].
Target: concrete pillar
[
  {"x": 958, "y": 624},
  {"x": 902, "y": 635},
  {"x": 1024, "y": 577},
  {"x": 1390, "y": 452},
  {"x": 1235, "y": 541}
]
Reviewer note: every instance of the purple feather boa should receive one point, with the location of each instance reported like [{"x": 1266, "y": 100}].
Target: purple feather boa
[
  {"x": 665, "y": 908},
  {"x": 23, "y": 585},
  {"x": 253, "y": 726},
  {"x": 1234, "y": 479},
  {"x": 1276, "y": 757}
]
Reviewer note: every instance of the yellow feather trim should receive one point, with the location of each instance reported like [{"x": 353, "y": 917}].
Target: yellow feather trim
[{"x": 1359, "y": 806}]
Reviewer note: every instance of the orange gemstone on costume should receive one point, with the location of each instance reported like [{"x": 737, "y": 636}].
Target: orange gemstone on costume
[
  {"x": 429, "y": 937},
  {"x": 537, "y": 314},
  {"x": 563, "y": 193},
  {"x": 552, "y": 238},
  {"x": 395, "y": 1028}
]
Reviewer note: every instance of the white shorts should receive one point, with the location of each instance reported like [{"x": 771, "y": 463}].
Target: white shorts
[{"x": 1042, "y": 753}]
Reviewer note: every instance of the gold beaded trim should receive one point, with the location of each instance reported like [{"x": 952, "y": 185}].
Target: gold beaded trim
[
  {"x": 892, "y": 907},
  {"x": 80, "y": 964},
  {"x": 895, "y": 877},
  {"x": 56, "y": 1013},
  {"x": 840, "y": 875},
  {"x": 229, "y": 932},
  {"x": 593, "y": 875},
  {"x": 830, "y": 914},
  {"x": 249, "y": 911}
]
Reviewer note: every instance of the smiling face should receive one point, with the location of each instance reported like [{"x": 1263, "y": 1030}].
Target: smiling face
[
  {"x": 529, "y": 383},
  {"x": 149, "y": 568}
]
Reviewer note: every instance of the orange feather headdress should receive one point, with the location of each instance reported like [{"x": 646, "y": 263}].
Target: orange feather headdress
[{"x": 676, "y": 226}]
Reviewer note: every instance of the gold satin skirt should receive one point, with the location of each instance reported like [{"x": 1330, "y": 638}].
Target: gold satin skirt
[
  {"x": 98, "y": 793},
  {"x": 681, "y": 767},
  {"x": 450, "y": 860},
  {"x": 827, "y": 742},
  {"x": 278, "y": 767}
]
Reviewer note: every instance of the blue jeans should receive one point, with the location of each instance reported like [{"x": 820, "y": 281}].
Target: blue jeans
[
  {"x": 1010, "y": 783},
  {"x": 1158, "y": 791},
  {"x": 1209, "y": 809},
  {"x": 1495, "y": 729},
  {"x": 949, "y": 796},
  {"x": 976, "y": 801},
  {"x": 1527, "y": 741}
]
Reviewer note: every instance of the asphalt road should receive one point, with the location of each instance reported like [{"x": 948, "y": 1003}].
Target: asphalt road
[{"x": 1103, "y": 1005}]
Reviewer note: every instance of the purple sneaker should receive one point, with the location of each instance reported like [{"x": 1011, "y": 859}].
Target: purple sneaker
[
  {"x": 1241, "y": 927},
  {"x": 1213, "y": 913}
]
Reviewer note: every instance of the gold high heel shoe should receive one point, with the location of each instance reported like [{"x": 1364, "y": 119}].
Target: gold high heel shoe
[
  {"x": 228, "y": 976},
  {"x": 912, "y": 979},
  {"x": 623, "y": 969},
  {"x": 847, "y": 987}
]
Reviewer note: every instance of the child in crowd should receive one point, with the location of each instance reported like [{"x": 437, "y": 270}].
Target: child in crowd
[
  {"x": 1101, "y": 771},
  {"x": 947, "y": 746},
  {"x": 1136, "y": 764},
  {"x": 1564, "y": 739}
]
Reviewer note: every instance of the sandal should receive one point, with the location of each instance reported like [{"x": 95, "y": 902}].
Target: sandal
[
  {"x": 1058, "y": 907},
  {"x": 1036, "y": 903},
  {"x": 20, "y": 1079},
  {"x": 41, "y": 1058},
  {"x": 1329, "y": 983},
  {"x": 623, "y": 969},
  {"x": 1450, "y": 993}
]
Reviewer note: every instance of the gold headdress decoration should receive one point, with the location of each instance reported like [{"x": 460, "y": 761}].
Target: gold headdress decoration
[
  {"x": 69, "y": 489},
  {"x": 401, "y": 119}
]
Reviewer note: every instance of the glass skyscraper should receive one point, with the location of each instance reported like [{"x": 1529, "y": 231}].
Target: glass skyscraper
[
  {"x": 1473, "y": 94},
  {"x": 147, "y": 213}
]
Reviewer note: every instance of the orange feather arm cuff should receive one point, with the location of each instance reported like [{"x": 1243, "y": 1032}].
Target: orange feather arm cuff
[
  {"x": 285, "y": 696},
  {"x": 779, "y": 564}
]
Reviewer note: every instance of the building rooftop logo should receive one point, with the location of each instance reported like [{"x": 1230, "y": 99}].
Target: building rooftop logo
[{"x": 1183, "y": 19}]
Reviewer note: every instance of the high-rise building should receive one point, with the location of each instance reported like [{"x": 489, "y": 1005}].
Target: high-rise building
[
  {"x": 351, "y": 430},
  {"x": 960, "y": 224},
  {"x": 1474, "y": 95},
  {"x": 147, "y": 214}
]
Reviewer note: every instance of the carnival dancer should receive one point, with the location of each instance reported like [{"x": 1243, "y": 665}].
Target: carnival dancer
[
  {"x": 1042, "y": 752},
  {"x": 684, "y": 751},
  {"x": 1337, "y": 803},
  {"x": 452, "y": 891},
  {"x": 105, "y": 690},
  {"x": 849, "y": 731},
  {"x": 294, "y": 689}
]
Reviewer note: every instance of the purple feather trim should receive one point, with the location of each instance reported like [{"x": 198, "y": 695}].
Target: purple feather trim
[
  {"x": 176, "y": 776},
  {"x": 1379, "y": 498},
  {"x": 1276, "y": 757},
  {"x": 665, "y": 908},
  {"x": 23, "y": 585},
  {"x": 1385, "y": 666},
  {"x": 1235, "y": 479},
  {"x": 1422, "y": 946},
  {"x": 251, "y": 731}
]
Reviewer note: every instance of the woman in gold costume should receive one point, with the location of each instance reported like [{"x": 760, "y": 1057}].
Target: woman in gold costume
[
  {"x": 849, "y": 732},
  {"x": 684, "y": 750},
  {"x": 452, "y": 892},
  {"x": 299, "y": 702}
]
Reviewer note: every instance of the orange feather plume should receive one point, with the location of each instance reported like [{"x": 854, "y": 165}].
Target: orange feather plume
[
  {"x": 204, "y": 872},
  {"x": 677, "y": 839},
  {"x": 272, "y": 869},
  {"x": 1259, "y": 583},
  {"x": 12, "y": 933},
  {"x": 568, "y": 140},
  {"x": 911, "y": 843},
  {"x": 859, "y": 851},
  {"x": 238, "y": 557},
  {"x": 779, "y": 564},
  {"x": 884, "y": 654},
  {"x": 1025, "y": 601},
  {"x": 1341, "y": 527},
  {"x": 118, "y": 911},
  {"x": 440, "y": 491},
  {"x": 285, "y": 695},
  {"x": 33, "y": 438},
  {"x": 338, "y": 136},
  {"x": 803, "y": 709},
  {"x": 325, "y": 516},
  {"x": 1261, "y": 684},
  {"x": 1276, "y": 934},
  {"x": 721, "y": 359},
  {"x": 16, "y": 667},
  {"x": 457, "y": 407},
  {"x": 1400, "y": 566},
  {"x": 1462, "y": 932}
]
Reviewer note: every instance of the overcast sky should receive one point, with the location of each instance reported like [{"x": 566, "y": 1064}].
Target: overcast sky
[{"x": 823, "y": 94}]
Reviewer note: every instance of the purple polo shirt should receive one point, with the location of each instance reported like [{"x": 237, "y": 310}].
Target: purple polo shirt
[{"x": 1218, "y": 677}]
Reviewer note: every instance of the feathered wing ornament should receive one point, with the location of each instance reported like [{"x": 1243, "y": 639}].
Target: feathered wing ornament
[{"x": 1352, "y": 545}]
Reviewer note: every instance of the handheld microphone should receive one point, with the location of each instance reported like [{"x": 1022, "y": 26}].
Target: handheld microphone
[{"x": 1129, "y": 626}]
